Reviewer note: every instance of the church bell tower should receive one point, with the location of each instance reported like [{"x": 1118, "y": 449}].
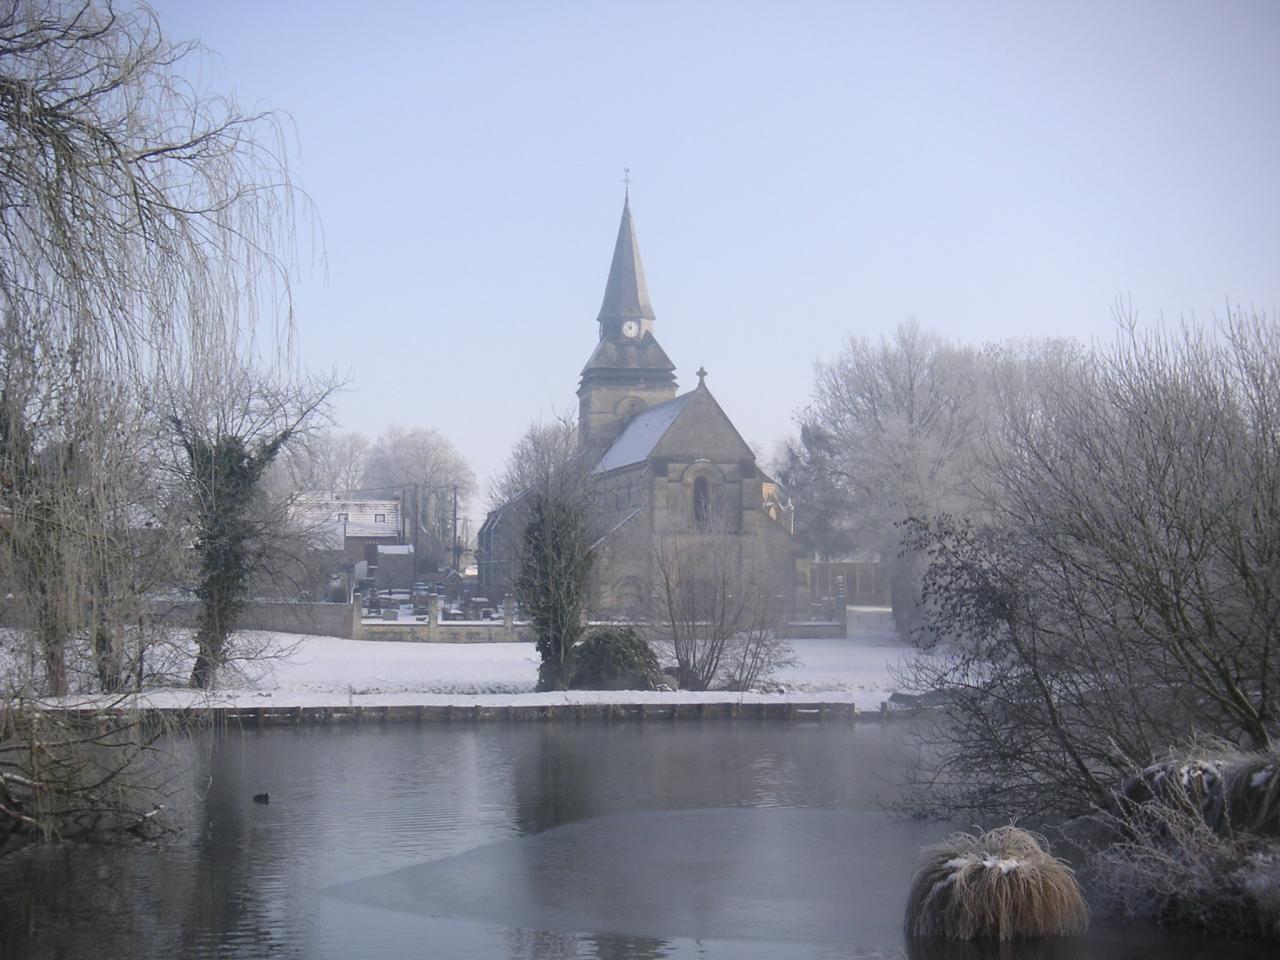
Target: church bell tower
[{"x": 628, "y": 371}]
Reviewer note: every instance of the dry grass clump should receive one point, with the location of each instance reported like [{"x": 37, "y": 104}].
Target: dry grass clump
[{"x": 1003, "y": 884}]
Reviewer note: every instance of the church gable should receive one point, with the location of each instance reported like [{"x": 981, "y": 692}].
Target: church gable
[
  {"x": 702, "y": 431},
  {"x": 639, "y": 438}
]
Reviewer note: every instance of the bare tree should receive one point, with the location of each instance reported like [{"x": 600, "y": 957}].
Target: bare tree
[
  {"x": 546, "y": 456},
  {"x": 327, "y": 461},
  {"x": 714, "y": 604},
  {"x": 73, "y": 500},
  {"x": 1121, "y": 593}
]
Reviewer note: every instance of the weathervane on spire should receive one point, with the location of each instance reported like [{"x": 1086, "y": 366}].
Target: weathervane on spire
[{"x": 626, "y": 179}]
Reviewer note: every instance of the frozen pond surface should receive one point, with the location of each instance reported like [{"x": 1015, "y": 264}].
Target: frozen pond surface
[
  {"x": 558, "y": 840},
  {"x": 762, "y": 874}
]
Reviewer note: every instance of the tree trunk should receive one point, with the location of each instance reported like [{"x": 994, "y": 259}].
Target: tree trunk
[
  {"x": 690, "y": 680},
  {"x": 209, "y": 646},
  {"x": 203, "y": 672},
  {"x": 109, "y": 658},
  {"x": 52, "y": 632},
  {"x": 53, "y": 647}
]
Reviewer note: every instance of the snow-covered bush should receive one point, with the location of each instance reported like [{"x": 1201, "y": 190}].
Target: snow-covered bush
[
  {"x": 1200, "y": 842},
  {"x": 1230, "y": 789},
  {"x": 1191, "y": 784},
  {"x": 1252, "y": 793}
]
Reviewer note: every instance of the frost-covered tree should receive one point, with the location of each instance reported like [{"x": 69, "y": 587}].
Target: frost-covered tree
[
  {"x": 328, "y": 461},
  {"x": 548, "y": 524},
  {"x": 554, "y": 582},
  {"x": 1122, "y": 591},
  {"x": 890, "y": 434},
  {"x": 420, "y": 461}
]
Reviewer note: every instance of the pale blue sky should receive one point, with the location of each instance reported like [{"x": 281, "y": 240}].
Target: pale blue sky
[{"x": 802, "y": 171}]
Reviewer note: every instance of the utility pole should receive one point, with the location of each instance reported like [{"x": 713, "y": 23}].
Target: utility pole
[
  {"x": 457, "y": 550},
  {"x": 416, "y": 523}
]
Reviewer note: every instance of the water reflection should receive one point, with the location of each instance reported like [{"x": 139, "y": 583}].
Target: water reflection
[
  {"x": 1052, "y": 948},
  {"x": 554, "y": 780},
  {"x": 547, "y": 945},
  {"x": 623, "y": 842}
]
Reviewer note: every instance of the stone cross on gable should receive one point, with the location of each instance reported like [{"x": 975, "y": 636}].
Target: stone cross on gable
[{"x": 702, "y": 376}]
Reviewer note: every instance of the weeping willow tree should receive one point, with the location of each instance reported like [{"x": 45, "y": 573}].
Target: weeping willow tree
[{"x": 142, "y": 218}]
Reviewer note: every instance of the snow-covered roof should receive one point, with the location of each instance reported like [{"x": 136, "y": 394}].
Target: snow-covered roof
[
  {"x": 361, "y": 518},
  {"x": 641, "y": 435},
  {"x": 355, "y": 529},
  {"x": 395, "y": 548}
]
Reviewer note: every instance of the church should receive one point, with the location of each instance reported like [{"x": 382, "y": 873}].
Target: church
[{"x": 663, "y": 464}]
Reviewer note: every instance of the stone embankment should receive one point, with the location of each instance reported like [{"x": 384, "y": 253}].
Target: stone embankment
[{"x": 757, "y": 710}]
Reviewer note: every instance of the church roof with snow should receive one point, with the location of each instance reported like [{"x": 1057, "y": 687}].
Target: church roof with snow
[{"x": 641, "y": 435}]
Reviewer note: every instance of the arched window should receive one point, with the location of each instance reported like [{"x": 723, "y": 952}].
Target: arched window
[{"x": 701, "y": 499}]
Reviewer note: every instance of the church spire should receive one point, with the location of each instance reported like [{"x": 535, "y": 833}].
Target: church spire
[
  {"x": 625, "y": 294},
  {"x": 628, "y": 371}
]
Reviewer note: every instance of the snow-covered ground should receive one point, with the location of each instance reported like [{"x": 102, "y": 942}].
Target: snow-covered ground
[
  {"x": 326, "y": 671},
  {"x": 294, "y": 670}
]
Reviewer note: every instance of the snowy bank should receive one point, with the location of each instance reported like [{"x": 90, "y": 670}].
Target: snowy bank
[{"x": 314, "y": 672}]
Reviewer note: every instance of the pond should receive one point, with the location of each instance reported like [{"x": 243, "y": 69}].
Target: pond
[{"x": 701, "y": 839}]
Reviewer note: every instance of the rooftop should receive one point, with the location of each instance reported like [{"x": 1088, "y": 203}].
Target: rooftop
[{"x": 641, "y": 435}]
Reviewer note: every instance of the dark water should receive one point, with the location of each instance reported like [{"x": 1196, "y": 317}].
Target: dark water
[{"x": 558, "y": 840}]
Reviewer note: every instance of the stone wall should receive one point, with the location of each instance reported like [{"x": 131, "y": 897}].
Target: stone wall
[
  {"x": 816, "y": 630},
  {"x": 344, "y": 620},
  {"x": 428, "y": 631},
  {"x": 322, "y": 619},
  {"x": 281, "y": 714}
]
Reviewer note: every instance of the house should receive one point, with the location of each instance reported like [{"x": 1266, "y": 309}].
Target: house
[{"x": 353, "y": 528}]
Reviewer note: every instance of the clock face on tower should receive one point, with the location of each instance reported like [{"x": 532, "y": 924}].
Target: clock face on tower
[{"x": 630, "y": 329}]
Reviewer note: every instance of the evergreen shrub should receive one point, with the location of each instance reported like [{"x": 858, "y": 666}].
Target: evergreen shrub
[{"x": 615, "y": 658}]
